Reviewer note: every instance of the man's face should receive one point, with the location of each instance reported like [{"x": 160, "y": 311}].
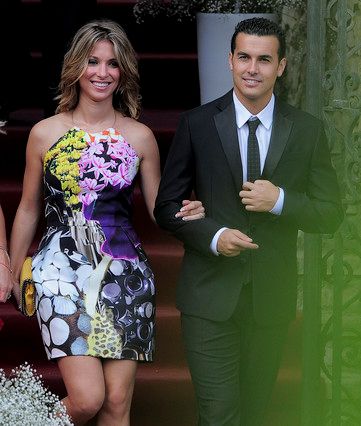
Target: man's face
[{"x": 255, "y": 67}]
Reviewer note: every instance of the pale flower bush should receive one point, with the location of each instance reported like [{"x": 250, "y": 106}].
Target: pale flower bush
[
  {"x": 188, "y": 8},
  {"x": 25, "y": 402}
]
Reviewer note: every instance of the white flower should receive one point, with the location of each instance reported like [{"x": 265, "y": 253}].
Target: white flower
[{"x": 25, "y": 402}]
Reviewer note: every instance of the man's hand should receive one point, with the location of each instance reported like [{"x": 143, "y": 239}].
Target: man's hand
[
  {"x": 260, "y": 196},
  {"x": 231, "y": 242}
]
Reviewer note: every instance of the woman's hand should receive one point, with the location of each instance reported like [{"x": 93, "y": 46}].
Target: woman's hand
[
  {"x": 6, "y": 284},
  {"x": 16, "y": 291},
  {"x": 191, "y": 210}
]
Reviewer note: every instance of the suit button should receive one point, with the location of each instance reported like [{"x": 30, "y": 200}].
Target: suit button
[{"x": 252, "y": 228}]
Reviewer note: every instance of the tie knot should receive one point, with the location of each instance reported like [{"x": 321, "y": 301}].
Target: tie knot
[{"x": 253, "y": 124}]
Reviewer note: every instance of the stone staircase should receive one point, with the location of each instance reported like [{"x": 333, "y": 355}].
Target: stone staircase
[{"x": 168, "y": 68}]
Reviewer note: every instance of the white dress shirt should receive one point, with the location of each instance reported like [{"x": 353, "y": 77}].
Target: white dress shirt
[{"x": 263, "y": 134}]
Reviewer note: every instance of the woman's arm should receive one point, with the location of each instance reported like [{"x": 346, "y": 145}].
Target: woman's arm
[
  {"x": 5, "y": 272},
  {"x": 150, "y": 178},
  {"x": 28, "y": 212}
]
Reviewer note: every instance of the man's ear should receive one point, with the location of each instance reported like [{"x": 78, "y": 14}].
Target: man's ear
[
  {"x": 281, "y": 67},
  {"x": 230, "y": 57}
]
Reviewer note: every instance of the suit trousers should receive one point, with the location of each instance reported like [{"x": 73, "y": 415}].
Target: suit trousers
[{"x": 233, "y": 364}]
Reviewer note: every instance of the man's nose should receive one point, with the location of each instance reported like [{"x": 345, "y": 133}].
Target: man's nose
[{"x": 253, "y": 67}]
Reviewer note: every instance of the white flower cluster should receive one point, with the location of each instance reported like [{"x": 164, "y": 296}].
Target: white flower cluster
[
  {"x": 25, "y": 402},
  {"x": 188, "y": 8}
]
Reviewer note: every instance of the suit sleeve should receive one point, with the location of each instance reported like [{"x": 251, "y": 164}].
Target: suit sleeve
[
  {"x": 319, "y": 208},
  {"x": 177, "y": 183}
]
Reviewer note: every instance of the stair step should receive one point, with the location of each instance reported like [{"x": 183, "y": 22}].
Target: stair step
[
  {"x": 164, "y": 252},
  {"x": 145, "y": 56},
  {"x": 24, "y": 332},
  {"x": 20, "y": 338},
  {"x": 146, "y": 36},
  {"x": 159, "y": 120},
  {"x": 162, "y": 397},
  {"x": 19, "y": 331},
  {"x": 107, "y": 2},
  {"x": 170, "y": 68},
  {"x": 165, "y": 396},
  {"x": 149, "y": 233}
]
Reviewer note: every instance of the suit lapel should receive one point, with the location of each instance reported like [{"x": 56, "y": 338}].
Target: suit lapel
[
  {"x": 225, "y": 122},
  {"x": 280, "y": 134}
]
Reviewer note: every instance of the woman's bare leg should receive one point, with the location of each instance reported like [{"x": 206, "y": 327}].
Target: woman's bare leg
[
  {"x": 84, "y": 381},
  {"x": 119, "y": 378}
]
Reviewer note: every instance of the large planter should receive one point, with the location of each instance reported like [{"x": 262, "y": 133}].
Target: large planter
[{"x": 214, "y": 33}]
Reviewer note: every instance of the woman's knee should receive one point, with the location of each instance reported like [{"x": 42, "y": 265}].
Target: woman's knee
[
  {"x": 87, "y": 405},
  {"x": 118, "y": 400}
]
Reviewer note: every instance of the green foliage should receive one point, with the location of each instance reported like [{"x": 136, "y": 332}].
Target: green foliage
[{"x": 183, "y": 9}]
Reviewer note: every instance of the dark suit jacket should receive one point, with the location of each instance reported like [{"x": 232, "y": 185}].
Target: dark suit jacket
[{"x": 205, "y": 157}]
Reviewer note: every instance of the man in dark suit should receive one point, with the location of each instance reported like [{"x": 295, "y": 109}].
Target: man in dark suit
[{"x": 262, "y": 170}]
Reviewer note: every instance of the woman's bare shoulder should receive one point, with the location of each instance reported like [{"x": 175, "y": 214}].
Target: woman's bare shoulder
[
  {"x": 51, "y": 126},
  {"x": 136, "y": 132},
  {"x": 138, "y": 135},
  {"x": 46, "y": 132}
]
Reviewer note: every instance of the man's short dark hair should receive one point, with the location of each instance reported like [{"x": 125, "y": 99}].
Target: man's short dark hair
[{"x": 261, "y": 27}]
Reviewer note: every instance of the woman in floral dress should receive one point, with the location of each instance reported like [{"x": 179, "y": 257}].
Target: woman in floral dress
[{"x": 95, "y": 288}]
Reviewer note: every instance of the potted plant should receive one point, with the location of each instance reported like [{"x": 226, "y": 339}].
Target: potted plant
[{"x": 216, "y": 20}]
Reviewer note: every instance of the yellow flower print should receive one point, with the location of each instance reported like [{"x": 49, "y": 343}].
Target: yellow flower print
[
  {"x": 75, "y": 155},
  {"x": 73, "y": 200},
  {"x": 62, "y": 162}
]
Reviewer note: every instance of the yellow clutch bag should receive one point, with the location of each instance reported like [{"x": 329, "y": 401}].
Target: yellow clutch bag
[{"x": 27, "y": 289}]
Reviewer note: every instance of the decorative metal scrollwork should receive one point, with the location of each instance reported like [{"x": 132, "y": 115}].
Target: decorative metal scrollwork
[{"x": 341, "y": 304}]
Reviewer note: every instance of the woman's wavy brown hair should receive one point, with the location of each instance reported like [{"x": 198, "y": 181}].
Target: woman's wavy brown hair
[{"x": 126, "y": 98}]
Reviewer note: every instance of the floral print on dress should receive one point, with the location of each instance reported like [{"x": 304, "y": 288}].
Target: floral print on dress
[
  {"x": 62, "y": 159},
  {"x": 95, "y": 289},
  {"x": 98, "y": 168}
]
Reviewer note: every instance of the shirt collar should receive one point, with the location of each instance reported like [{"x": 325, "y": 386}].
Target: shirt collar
[{"x": 243, "y": 115}]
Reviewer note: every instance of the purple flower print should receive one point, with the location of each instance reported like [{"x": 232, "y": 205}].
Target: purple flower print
[
  {"x": 99, "y": 165},
  {"x": 117, "y": 167},
  {"x": 89, "y": 190}
]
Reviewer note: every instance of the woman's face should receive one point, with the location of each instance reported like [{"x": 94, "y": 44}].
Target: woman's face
[{"x": 102, "y": 74}]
